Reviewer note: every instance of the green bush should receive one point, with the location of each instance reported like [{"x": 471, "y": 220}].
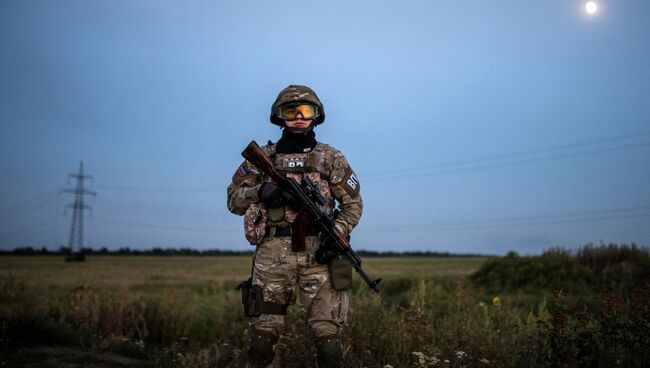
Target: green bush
[{"x": 589, "y": 268}]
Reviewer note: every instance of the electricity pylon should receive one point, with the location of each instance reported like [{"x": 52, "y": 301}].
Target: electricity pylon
[{"x": 76, "y": 240}]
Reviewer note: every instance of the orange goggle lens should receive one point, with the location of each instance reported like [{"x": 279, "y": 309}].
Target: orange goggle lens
[{"x": 290, "y": 112}]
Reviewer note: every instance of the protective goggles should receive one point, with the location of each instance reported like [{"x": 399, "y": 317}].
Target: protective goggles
[{"x": 290, "y": 112}]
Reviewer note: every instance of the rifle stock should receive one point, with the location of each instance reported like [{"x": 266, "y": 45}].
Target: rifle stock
[{"x": 255, "y": 155}]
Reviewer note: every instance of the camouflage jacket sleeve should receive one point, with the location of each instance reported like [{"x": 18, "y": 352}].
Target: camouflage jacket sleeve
[
  {"x": 242, "y": 191},
  {"x": 345, "y": 188}
]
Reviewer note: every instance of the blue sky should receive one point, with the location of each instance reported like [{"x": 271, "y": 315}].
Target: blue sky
[{"x": 472, "y": 126}]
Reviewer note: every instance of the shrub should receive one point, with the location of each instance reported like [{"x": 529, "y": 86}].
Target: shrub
[{"x": 597, "y": 268}]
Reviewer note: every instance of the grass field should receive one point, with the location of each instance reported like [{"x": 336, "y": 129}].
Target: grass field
[
  {"x": 183, "y": 311},
  {"x": 182, "y": 271}
]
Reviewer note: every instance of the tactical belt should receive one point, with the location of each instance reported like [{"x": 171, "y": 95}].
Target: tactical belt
[
  {"x": 286, "y": 231},
  {"x": 274, "y": 308}
]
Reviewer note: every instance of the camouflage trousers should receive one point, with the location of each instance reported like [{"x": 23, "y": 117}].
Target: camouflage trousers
[{"x": 280, "y": 272}]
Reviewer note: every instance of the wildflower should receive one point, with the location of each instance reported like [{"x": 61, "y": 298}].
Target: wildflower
[
  {"x": 424, "y": 360},
  {"x": 496, "y": 301},
  {"x": 481, "y": 304},
  {"x": 421, "y": 358},
  {"x": 446, "y": 361},
  {"x": 461, "y": 354}
]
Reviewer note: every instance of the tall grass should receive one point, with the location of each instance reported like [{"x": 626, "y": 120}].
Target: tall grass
[{"x": 417, "y": 320}]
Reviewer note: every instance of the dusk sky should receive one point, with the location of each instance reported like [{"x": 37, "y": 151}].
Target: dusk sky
[{"x": 473, "y": 126}]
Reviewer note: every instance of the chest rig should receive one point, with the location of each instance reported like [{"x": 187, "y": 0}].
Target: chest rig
[{"x": 298, "y": 166}]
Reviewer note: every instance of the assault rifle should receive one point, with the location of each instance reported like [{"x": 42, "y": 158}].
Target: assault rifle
[{"x": 308, "y": 212}]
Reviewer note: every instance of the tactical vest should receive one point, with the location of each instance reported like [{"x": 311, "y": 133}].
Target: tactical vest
[{"x": 297, "y": 166}]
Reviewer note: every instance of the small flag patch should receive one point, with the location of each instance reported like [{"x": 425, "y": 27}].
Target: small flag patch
[{"x": 242, "y": 171}]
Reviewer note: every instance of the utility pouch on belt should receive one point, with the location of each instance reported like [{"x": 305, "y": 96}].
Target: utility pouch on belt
[
  {"x": 251, "y": 297},
  {"x": 340, "y": 273},
  {"x": 276, "y": 214}
]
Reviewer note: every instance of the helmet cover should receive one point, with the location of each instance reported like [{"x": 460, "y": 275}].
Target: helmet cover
[{"x": 296, "y": 93}]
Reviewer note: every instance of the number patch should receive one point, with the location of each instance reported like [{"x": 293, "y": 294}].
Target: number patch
[
  {"x": 352, "y": 181},
  {"x": 351, "y": 184}
]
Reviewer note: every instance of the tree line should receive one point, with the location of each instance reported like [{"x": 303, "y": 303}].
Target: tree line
[{"x": 158, "y": 251}]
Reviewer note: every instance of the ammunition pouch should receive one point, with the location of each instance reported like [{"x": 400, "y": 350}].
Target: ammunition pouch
[
  {"x": 255, "y": 219},
  {"x": 340, "y": 269},
  {"x": 340, "y": 273},
  {"x": 252, "y": 298},
  {"x": 276, "y": 214}
]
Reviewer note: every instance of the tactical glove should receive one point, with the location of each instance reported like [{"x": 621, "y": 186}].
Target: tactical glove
[
  {"x": 327, "y": 251},
  {"x": 273, "y": 196}
]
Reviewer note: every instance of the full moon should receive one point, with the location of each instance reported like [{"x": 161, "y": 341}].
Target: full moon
[{"x": 591, "y": 7}]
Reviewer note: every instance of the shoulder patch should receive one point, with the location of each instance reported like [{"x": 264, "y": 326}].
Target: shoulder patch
[
  {"x": 351, "y": 183},
  {"x": 241, "y": 171},
  {"x": 245, "y": 173}
]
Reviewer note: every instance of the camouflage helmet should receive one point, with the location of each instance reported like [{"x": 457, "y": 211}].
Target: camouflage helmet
[{"x": 296, "y": 93}]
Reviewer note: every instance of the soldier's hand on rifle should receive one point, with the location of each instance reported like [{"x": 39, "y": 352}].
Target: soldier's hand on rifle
[
  {"x": 326, "y": 251},
  {"x": 273, "y": 196}
]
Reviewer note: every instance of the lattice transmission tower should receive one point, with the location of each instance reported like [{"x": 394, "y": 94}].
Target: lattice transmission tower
[{"x": 76, "y": 240}]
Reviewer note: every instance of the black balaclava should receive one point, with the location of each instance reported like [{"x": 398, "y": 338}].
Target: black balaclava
[{"x": 296, "y": 142}]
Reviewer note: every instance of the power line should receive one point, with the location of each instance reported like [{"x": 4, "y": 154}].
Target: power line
[
  {"x": 539, "y": 223},
  {"x": 507, "y": 163},
  {"x": 165, "y": 227},
  {"x": 457, "y": 165},
  {"x": 32, "y": 200},
  {"x": 157, "y": 189},
  {"x": 526, "y": 152},
  {"x": 25, "y": 210},
  {"x": 29, "y": 228},
  {"x": 561, "y": 218},
  {"x": 548, "y": 219}
]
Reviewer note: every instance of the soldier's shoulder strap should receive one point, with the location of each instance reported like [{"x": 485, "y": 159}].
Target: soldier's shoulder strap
[{"x": 269, "y": 148}]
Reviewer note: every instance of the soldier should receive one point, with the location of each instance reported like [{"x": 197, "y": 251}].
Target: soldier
[{"x": 282, "y": 269}]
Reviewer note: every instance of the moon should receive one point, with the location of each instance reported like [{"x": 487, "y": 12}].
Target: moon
[{"x": 591, "y": 7}]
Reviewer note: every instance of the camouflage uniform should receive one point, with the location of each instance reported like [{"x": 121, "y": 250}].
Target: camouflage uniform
[{"x": 278, "y": 269}]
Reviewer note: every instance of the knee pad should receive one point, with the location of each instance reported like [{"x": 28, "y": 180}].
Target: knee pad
[
  {"x": 330, "y": 352},
  {"x": 262, "y": 348}
]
